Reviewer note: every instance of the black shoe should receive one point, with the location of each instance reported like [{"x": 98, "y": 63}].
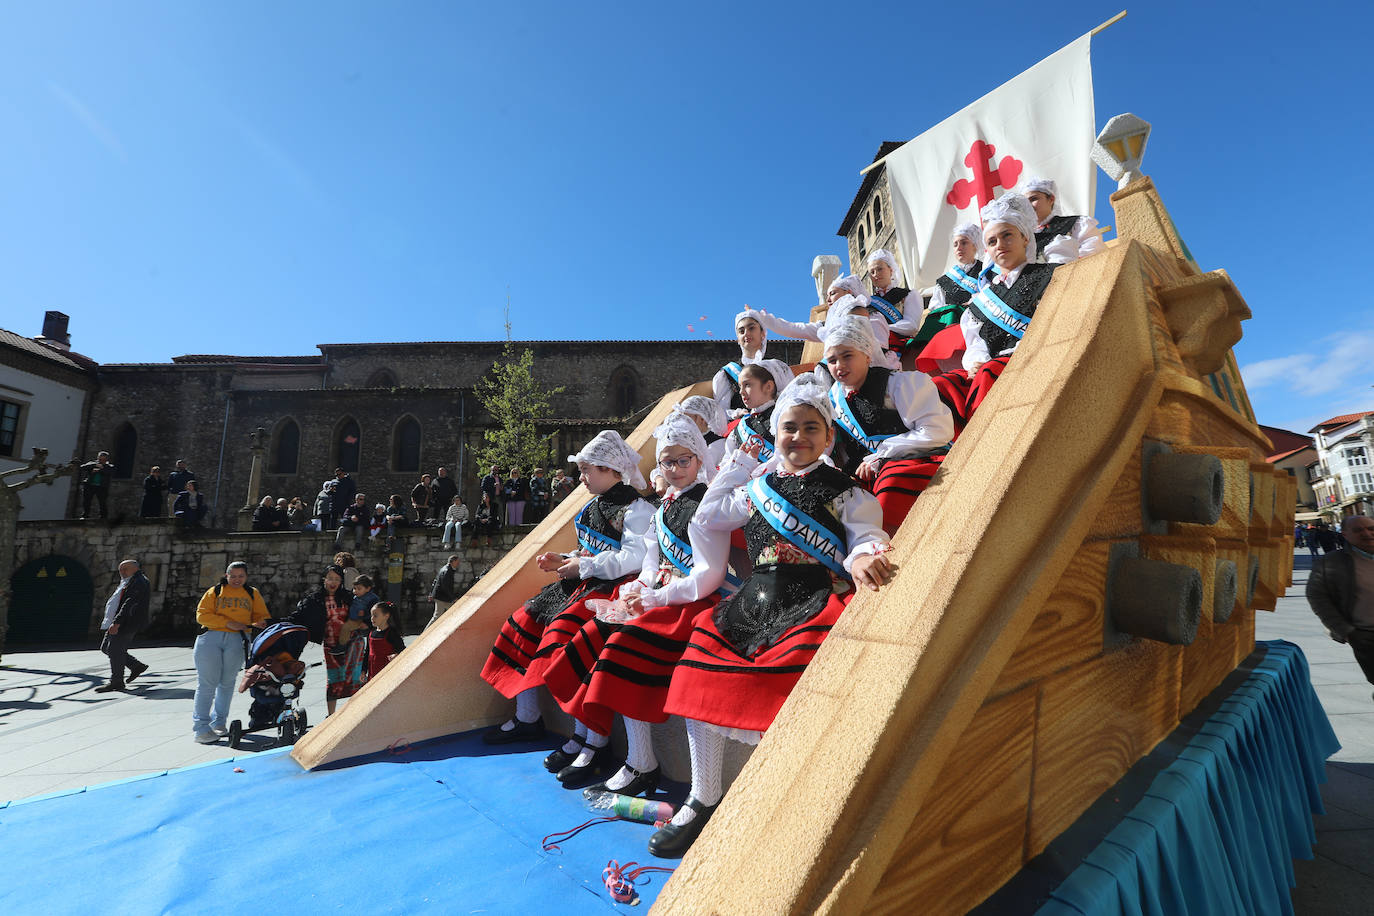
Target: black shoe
[
  {"x": 135, "y": 671},
  {"x": 642, "y": 784},
  {"x": 561, "y": 758},
  {"x": 602, "y": 765},
  {"x": 523, "y": 731},
  {"x": 671, "y": 841},
  {"x": 109, "y": 688}
]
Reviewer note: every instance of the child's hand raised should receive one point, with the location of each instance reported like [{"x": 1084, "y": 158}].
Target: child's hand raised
[
  {"x": 549, "y": 562},
  {"x": 873, "y": 571}
]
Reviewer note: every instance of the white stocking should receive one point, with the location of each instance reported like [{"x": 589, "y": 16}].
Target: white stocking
[
  {"x": 707, "y": 746},
  {"x": 572, "y": 745},
  {"x": 594, "y": 743},
  {"x": 641, "y": 739},
  {"x": 527, "y": 705}
]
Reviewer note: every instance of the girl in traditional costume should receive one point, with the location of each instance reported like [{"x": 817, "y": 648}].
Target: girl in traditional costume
[
  {"x": 1059, "y": 239},
  {"x": 713, "y": 424},
  {"x": 610, "y": 534},
  {"x": 892, "y": 431},
  {"x": 999, "y": 314},
  {"x": 888, "y": 301},
  {"x": 622, "y": 660},
  {"x": 753, "y": 341},
  {"x": 846, "y": 296},
  {"x": 760, "y": 383},
  {"x": 814, "y": 535},
  {"x": 940, "y": 340}
]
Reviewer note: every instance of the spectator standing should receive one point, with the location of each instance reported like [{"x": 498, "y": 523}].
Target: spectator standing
[
  {"x": 265, "y": 516},
  {"x": 562, "y": 486},
  {"x": 283, "y": 515},
  {"x": 323, "y": 611},
  {"x": 541, "y": 497},
  {"x": 297, "y": 513},
  {"x": 345, "y": 489},
  {"x": 225, "y": 613},
  {"x": 517, "y": 493},
  {"x": 444, "y": 490},
  {"x": 419, "y": 499},
  {"x": 385, "y": 640},
  {"x": 1341, "y": 591},
  {"x": 177, "y": 480},
  {"x": 324, "y": 504},
  {"x": 125, "y": 614},
  {"x": 95, "y": 484},
  {"x": 353, "y": 519},
  {"x": 454, "y": 521},
  {"x": 154, "y": 487},
  {"x": 444, "y": 590},
  {"x": 189, "y": 507},
  {"x": 349, "y": 564},
  {"x": 491, "y": 486},
  {"x": 488, "y": 520}
]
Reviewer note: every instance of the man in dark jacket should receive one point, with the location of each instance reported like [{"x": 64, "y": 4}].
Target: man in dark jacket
[
  {"x": 1341, "y": 591},
  {"x": 95, "y": 484},
  {"x": 177, "y": 480},
  {"x": 345, "y": 490},
  {"x": 125, "y": 614},
  {"x": 355, "y": 518},
  {"x": 444, "y": 591},
  {"x": 444, "y": 490}
]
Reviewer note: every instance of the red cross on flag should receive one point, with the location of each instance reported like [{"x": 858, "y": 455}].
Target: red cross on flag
[{"x": 1039, "y": 124}]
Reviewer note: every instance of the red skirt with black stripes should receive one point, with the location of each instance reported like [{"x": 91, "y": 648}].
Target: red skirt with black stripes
[
  {"x": 962, "y": 394},
  {"x": 715, "y": 683},
  {"x": 899, "y": 482},
  {"x": 623, "y": 668},
  {"x": 525, "y": 647}
]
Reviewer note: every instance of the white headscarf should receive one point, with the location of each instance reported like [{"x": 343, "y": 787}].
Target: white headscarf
[
  {"x": 805, "y": 389},
  {"x": 709, "y": 409},
  {"x": 1014, "y": 210},
  {"x": 753, "y": 316},
  {"x": 857, "y": 333},
  {"x": 882, "y": 254},
  {"x": 1044, "y": 186},
  {"x": 850, "y": 284},
  {"x": 781, "y": 372},
  {"x": 844, "y": 307},
  {"x": 608, "y": 450},
  {"x": 971, "y": 231},
  {"x": 679, "y": 429}
]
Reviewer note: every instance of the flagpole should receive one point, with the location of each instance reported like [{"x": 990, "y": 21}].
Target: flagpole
[{"x": 1110, "y": 22}]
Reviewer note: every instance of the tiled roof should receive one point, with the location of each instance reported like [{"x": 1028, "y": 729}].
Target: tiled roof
[
  {"x": 1285, "y": 440},
  {"x": 865, "y": 186},
  {"x": 1279, "y": 456},
  {"x": 1342, "y": 420},
  {"x": 34, "y": 348}
]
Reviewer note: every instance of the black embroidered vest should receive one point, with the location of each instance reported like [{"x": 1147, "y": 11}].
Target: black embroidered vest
[
  {"x": 1023, "y": 296},
  {"x": 760, "y": 423},
  {"x": 1055, "y": 227},
  {"x": 869, "y": 407},
  {"x": 606, "y": 515},
  {"x": 779, "y": 596},
  {"x": 954, "y": 293},
  {"x": 678, "y": 517}
]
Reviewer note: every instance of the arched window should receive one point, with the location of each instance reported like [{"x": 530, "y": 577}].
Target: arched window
[
  {"x": 125, "y": 444},
  {"x": 382, "y": 378},
  {"x": 624, "y": 391},
  {"x": 863, "y": 242},
  {"x": 347, "y": 445},
  {"x": 877, "y": 215},
  {"x": 405, "y": 445},
  {"x": 286, "y": 448}
]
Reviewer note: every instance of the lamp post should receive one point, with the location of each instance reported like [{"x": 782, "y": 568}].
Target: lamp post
[{"x": 1120, "y": 147}]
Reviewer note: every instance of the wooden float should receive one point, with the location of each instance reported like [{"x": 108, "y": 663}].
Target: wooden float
[{"x": 1085, "y": 568}]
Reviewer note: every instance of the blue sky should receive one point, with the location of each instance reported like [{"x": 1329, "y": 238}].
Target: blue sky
[{"x": 259, "y": 178}]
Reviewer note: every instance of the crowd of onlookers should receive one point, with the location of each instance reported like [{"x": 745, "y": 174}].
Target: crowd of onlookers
[
  {"x": 177, "y": 494},
  {"x": 1317, "y": 537}
]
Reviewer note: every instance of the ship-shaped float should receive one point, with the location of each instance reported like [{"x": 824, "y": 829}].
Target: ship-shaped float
[{"x": 1080, "y": 578}]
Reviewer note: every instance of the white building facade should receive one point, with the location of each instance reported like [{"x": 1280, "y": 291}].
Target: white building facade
[{"x": 1343, "y": 476}]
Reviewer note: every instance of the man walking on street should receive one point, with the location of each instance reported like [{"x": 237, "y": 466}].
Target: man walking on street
[
  {"x": 444, "y": 591},
  {"x": 1341, "y": 591},
  {"x": 125, "y": 614}
]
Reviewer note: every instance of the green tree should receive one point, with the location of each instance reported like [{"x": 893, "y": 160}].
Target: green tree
[{"x": 514, "y": 398}]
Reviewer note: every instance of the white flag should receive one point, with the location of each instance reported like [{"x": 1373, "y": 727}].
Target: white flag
[{"x": 1037, "y": 125}]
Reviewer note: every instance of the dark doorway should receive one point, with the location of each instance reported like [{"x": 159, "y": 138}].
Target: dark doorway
[{"x": 52, "y": 601}]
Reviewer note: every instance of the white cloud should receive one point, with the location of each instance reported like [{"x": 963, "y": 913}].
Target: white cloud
[{"x": 1280, "y": 369}]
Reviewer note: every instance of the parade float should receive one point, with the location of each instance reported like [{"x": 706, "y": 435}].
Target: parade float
[{"x": 1059, "y": 704}]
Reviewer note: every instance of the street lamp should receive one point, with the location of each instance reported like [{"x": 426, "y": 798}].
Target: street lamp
[{"x": 1120, "y": 147}]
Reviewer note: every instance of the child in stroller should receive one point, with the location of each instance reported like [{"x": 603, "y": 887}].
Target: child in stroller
[{"x": 273, "y": 676}]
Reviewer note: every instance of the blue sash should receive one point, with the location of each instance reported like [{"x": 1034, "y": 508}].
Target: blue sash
[
  {"x": 969, "y": 284},
  {"x": 999, "y": 313},
  {"x": 743, "y": 433},
  {"x": 733, "y": 370},
  {"x": 592, "y": 541},
  {"x": 884, "y": 308},
  {"x": 800, "y": 529},
  {"x": 990, "y": 273},
  {"x": 671, "y": 546},
  {"x": 844, "y": 415}
]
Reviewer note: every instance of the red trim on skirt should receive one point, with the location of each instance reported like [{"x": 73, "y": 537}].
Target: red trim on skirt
[
  {"x": 942, "y": 353},
  {"x": 715, "y": 683},
  {"x": 608, "y": 668},
  {"x": 523, "y": 647}
]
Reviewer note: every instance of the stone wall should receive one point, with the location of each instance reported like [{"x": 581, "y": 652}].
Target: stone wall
[{"x": 283, "y": 565}]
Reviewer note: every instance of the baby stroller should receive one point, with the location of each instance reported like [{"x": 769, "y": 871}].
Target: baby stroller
[{"x": 273, "y": 676}]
